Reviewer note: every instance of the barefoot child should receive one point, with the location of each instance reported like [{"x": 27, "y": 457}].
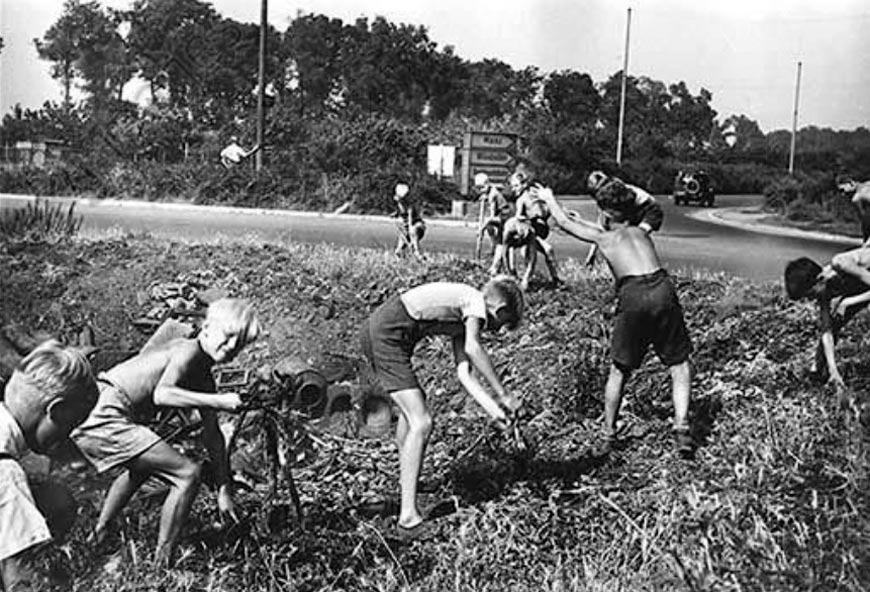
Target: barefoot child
[
  {"x": 388, "y": 339},
  {"x": 842, "y": 290},
  {"x": 51, "y": 391},
  {"x": 648, "y": 311},
  {"x": 174, "y": 374}
]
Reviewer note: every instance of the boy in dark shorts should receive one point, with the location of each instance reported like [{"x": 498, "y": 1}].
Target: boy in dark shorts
[
  {"x": 388, "y": 338},
  {"x": 842, "y": 290},
  {"x": 648, "y": 311},
  {"x": 50, "y": 392},
  {"x": 173, "y": 374}
]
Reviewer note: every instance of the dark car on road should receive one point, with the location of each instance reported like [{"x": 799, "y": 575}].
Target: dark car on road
[{"x": 694, "y": 187}]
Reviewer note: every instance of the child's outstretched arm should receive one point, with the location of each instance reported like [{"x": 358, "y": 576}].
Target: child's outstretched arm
[
  {"x": 167, "y": 393},
  {"x": 468, "y": 351},
  {"x": 575, "y": 226}
]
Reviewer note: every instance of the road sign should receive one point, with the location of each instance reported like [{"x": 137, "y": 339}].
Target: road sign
[{"x": 493, "y": 153}]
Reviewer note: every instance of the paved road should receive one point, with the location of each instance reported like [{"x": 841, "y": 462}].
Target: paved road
[{"x": 685, "y": 243}]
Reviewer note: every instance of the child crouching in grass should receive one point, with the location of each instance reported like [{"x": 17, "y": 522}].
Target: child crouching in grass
[
  {"x": 51, "y": 391},
  {"x": 441, "y": 308},
  {"x": 174, "y": 374}
]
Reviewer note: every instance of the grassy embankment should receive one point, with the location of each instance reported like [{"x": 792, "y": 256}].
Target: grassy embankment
[{"x": 776, "y": 498}]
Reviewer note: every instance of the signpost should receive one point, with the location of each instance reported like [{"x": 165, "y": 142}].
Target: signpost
[{"x": 493, "y": 153}]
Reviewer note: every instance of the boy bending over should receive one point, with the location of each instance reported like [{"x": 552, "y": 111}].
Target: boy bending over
[
  {"x": 648, "y": 311},
  {"x": 174, "y": 374},
  {"x": 841, "y": 289},
  {"x": 441, "y": 308},
  {"x": 51, "y": 391}
]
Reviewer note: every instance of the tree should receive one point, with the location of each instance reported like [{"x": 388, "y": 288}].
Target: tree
[
  {"x": 84, "y": 44},
  {"x": 495, "y": 90},
  {"x": 571, "y": 97},
  {"x": 313, "y": 46}
]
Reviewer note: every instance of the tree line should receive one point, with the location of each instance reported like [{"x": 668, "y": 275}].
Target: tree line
[{"x": 351, "y": 107}]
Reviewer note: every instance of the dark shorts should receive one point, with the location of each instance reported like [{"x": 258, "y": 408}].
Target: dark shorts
[
  {"x": 540, "y": 226},
  {"x": 387, "y": 340},
  {"x": 648, "y": 312}
]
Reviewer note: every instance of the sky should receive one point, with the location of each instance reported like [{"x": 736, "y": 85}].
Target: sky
[{"x": 745, "y": 52}]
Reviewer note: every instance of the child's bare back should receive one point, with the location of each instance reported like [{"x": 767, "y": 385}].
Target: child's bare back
[
  {"x": 179, "y": 362},
  {"x": 629, "y": 251}
]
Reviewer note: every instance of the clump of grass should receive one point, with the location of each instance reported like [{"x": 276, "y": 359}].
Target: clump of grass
[{"x": 40, "y": 222}]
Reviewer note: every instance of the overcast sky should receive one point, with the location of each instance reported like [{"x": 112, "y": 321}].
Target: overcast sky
[{"x": 743, "y": 51}]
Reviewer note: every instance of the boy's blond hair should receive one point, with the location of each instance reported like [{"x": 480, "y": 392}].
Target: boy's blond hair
[
  {"x": 234, "y": 315},
  {"x": 54, "y": 371},
  {"x": 511, "y": 294}
]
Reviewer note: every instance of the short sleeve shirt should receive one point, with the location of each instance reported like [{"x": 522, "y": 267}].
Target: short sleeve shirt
[
  {"x": 443, "y": 307},
  {"x": 21, "y": 524}
]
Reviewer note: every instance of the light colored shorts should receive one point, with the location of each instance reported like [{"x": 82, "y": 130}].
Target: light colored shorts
[{"x": 109, "y": 436}]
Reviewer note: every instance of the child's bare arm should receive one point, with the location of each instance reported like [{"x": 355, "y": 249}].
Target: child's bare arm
[
  {"x": 827, "y": 339},
  {"x": 215, "y": 443},
  {"x": 575, "y": 226},
  {"x": 472, "y": 385},
  {"x": 850, "y": 301},
  {"x": 167, "y": 392}
]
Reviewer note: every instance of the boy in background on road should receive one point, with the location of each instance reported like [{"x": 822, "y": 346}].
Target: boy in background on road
[
  {"x": 842, "y": 290},
  {"x": 646, "y": 214},
  {"x": 50, "y": 392},
  {"x": 528, "y": 230},
  {"x": 495, "y": 210},
  {"x": 410, "y": 225},
  {"x": 174, "y": 374},
  {"x": 388, "y": 337},
  {"x": 648, "y": 310}
]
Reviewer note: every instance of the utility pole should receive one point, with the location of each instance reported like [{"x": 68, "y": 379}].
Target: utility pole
[
  {"x": 261, "y": 84},
  {"x": 622, "y": 96},
  {"x": 797, "y": 93}
]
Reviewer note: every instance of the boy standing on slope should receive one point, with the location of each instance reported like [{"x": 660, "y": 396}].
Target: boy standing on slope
[
  {"x": 648, "y": 310},
  {"x": 388, "y": 339},
  {"x": 173, "y": 374},
  {"x": 51, "y": 391}
]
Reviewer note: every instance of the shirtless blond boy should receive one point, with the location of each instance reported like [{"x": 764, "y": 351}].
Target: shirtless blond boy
[
  {"x": 388, "y": 338},
  {"x": 648, "y": 311},
  {"x": 50, "y": 392},
  {"x": 175, "y": 374}
]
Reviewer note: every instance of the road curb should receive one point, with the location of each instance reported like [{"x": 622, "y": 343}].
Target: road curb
[
  {"x": 720, "y": 216},
  {"x": 180, "y": 207}
]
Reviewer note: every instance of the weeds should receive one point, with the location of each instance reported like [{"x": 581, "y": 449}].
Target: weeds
[{"x": 40, "y": 221}]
